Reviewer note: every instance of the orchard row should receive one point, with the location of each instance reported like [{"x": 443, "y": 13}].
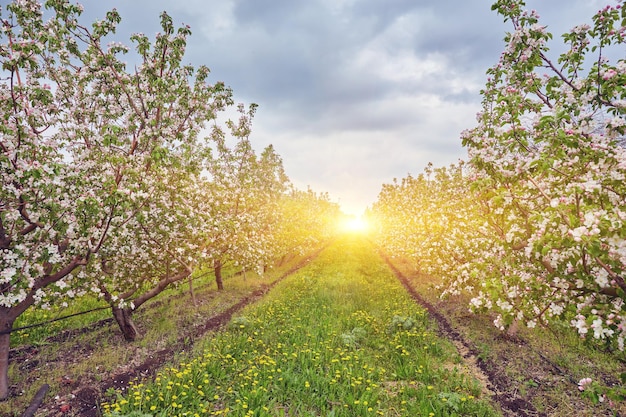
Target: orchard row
[
  {"x": 120, "y": 181},
  {"x": 533, "y": 225}
]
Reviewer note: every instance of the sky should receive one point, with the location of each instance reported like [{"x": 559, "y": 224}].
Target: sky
[{"x": 351, "y": 93}]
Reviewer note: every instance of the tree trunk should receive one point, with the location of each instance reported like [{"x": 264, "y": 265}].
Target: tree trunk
[
  {"x": 513, "y": 329},
  {"x": 5, "y": 326},
  {"x": 8, "y": 315},
  {"x": 193, "y": 295},
  {"x": 217, "y": 267},
  {"x": 123, "y": 317}
]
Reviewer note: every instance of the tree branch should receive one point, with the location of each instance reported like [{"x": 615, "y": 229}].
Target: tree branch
[{"x": 161, "y": 285}]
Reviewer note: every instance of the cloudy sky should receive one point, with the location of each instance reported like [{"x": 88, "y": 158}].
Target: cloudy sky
[{"x": 351, "y": 93}]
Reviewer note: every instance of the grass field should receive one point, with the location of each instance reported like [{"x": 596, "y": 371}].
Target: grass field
[{"x": 341, "y": 337}]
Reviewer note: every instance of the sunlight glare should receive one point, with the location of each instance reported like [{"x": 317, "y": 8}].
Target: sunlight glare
[{"x": 355, "y": 224}]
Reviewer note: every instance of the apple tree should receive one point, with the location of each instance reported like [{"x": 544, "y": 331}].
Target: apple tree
[
  {"x": 549, "y": 154},
  {"x": 84, "y": 144}
]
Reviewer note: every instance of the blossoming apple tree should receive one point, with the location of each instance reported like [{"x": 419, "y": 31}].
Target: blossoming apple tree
[
  {"x": 432, "y": 220},
  {"x": 551, "y": 163},
  {"x": 244, "y": 189},
  {"x": 308, "y": 220},
  {"x": 87, "y": 153},
  {"x": 547, "y": 240},
  {"x": 159, "y": 246}
]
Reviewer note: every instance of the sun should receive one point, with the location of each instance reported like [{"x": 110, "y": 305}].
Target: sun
[{"x": 355, "y": 224}]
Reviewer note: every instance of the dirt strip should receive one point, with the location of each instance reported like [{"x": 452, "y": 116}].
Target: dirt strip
[{"x": 498, "y": 387}]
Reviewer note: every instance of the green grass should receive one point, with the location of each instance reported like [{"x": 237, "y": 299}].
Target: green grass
[
  {"x": 94, "y": 353},
  {"x": 52, "y": 320},
  {"x": 339, "y": 338}
]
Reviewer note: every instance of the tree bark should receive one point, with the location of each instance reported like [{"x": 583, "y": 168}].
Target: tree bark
[
  {"x": 513, "y": 329},
  {"x": 5, "y": 326},
  {"x": 217, "y": 267},
  {"x": 123, "y": 317},
  {"x": 8, "y": 315},
  {"x": 191, "y": 292}
]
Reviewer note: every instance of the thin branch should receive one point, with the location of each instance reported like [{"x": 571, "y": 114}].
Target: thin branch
[
  {"x": 557, "y": 71},
  {"x": 164, "y": 283},
  {"x": 618, "y": 279}
]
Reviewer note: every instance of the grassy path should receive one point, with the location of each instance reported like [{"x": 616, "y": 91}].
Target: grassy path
[{"x": 341, "y": 337}]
